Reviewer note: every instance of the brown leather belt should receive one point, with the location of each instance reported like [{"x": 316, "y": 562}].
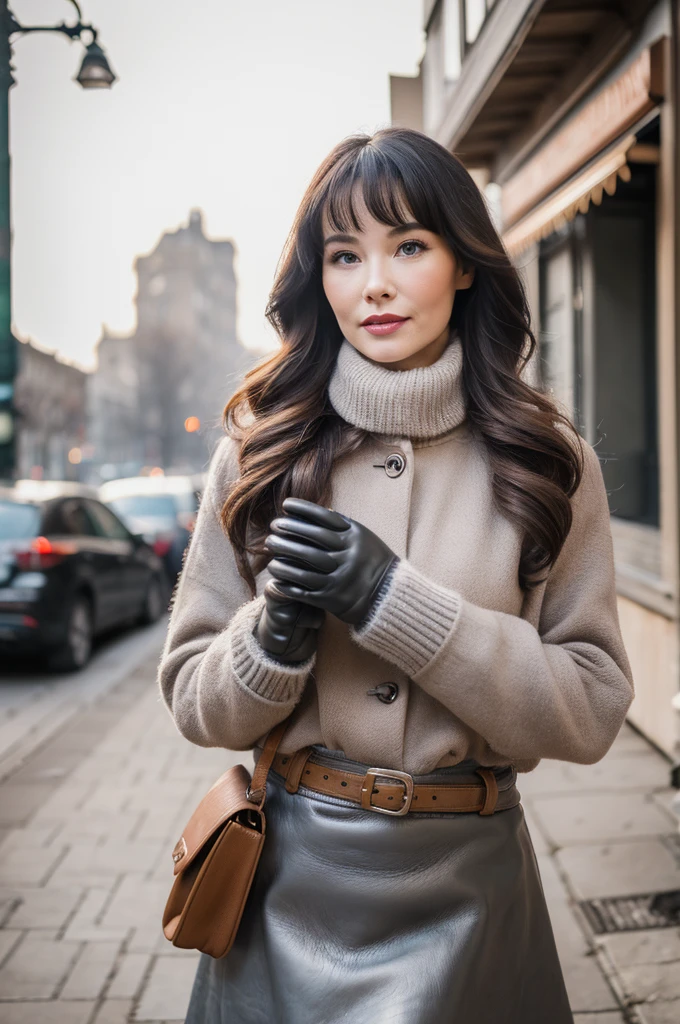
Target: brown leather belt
[{"x": 388, "y": 791}]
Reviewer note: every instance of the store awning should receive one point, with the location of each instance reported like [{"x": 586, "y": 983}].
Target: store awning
[{"x": 602, "y": 176}]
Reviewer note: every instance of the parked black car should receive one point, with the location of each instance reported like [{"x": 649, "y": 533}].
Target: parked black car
[
  {"x": 69, "y": 569},
  {"x": 162, "y": 509}
]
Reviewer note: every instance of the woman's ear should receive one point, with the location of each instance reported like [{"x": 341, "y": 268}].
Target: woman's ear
[{"x": 464, "y": 278}]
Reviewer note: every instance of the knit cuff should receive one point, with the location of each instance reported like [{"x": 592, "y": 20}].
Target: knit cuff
[
  {"x": 410, "y": 621},
  {"x": 258, "y": 670}
]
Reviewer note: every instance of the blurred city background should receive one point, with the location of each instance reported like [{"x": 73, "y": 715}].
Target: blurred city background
[{"x": 152, "y": 156}]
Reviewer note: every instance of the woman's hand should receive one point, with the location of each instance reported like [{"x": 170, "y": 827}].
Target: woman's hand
[
  {"x": 288, "y": 630},
  {"x": 327, "y": 560}
]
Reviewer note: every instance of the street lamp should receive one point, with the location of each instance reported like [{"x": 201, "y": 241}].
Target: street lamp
[{"x": 95, "y": 73}]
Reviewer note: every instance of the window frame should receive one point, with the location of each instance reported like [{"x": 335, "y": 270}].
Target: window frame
[{"x": 646, "y": 556}]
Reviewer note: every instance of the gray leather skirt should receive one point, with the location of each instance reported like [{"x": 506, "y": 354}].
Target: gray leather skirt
[{"x": 360, "y": 918}]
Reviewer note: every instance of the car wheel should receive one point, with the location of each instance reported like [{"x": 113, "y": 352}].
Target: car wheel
[
  {"x": 75, "y": 652},
  {"x": 154, "y": 601}
]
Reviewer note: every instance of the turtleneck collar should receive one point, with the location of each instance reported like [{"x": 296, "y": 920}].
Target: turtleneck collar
[{"x": 421, "y": 403}]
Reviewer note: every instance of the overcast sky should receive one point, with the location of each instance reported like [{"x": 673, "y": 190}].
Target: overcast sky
[{"x": 224, "y": 105}]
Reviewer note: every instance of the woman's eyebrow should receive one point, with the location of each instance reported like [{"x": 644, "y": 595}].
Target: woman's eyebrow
[
  {"x": 347, "y": 239},
  {"x": 400, "y": 229}
]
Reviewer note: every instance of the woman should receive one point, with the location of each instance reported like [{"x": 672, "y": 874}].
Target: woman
[{"x": 404, "y": 550}]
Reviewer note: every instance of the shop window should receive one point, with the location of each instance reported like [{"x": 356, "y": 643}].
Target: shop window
[
  {"x": 620, "y": 240},
  {"x": 598, "y": 338}
]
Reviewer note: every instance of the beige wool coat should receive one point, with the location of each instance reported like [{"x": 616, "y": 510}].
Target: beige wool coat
[{"x": 482, "y": 669}]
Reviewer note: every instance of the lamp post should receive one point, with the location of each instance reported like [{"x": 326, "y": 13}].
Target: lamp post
[{"x": 94, "y": 73}]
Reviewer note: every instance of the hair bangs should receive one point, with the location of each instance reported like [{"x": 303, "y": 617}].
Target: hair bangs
[{"x": 367, "y": 179}]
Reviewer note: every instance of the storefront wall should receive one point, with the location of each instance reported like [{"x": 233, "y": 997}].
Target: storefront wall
[
  {"x": 646, "y": 540},
  {"x": 578, "y": 339}
]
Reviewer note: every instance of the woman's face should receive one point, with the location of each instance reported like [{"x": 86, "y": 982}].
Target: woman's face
[{"x": 392, "y": 290}]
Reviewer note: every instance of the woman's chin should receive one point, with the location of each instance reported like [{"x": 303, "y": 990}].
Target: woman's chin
[
  {"x": 386, "y": 350},
  {"x": 391, "y": 352}
]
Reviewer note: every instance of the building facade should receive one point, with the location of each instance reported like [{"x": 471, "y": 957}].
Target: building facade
[
  {"x": 188, "y": 356},
  {"x": 157, "y": 396},
  {"x": 51, "y": 414},
  {"x": 567, "y": 112},
  {"x": 113, "y": 415}
]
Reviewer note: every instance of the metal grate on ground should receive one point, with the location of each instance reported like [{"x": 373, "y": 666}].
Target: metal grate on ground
[{"x": 633, "y": 913}]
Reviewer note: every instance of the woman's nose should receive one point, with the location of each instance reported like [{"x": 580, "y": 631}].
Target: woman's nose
[{"x": 378, "y": 286}]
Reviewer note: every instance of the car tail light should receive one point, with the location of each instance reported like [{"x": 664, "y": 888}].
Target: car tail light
[
  {"x": 43, "y": 553},
  {"x": 162, "y": 545}
]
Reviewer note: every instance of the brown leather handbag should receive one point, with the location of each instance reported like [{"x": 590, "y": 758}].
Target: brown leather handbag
[{"x": 216, "y": 857}]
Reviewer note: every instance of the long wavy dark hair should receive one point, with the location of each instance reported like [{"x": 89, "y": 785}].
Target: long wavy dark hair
[{"x": 289, "y": 434}]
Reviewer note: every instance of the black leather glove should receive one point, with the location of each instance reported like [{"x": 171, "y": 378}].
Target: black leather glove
[
  {"x": 287, "y": 629},
  {"x": 327, "y": 560}
]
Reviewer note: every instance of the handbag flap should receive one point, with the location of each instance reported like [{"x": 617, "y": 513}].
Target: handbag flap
[{"x": 225, "y": 798}]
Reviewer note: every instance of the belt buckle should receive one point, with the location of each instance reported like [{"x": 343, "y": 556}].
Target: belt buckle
[{"x": 367, "y": 790}]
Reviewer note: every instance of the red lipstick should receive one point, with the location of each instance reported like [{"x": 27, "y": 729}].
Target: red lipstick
[{"x": 386, "y": 323}]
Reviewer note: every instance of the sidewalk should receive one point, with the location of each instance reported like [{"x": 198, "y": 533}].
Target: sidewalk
[{"x": 88, "y": 820}]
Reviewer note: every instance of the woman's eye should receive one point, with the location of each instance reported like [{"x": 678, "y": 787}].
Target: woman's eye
[
  {"x": 343, "y": 257},
  {"x": 411, "y": 248}
]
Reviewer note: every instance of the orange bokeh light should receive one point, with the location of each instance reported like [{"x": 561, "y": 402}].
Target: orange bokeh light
[{"x": 192, "y": 424}]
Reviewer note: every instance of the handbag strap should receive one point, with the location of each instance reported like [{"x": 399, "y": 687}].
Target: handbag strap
[{"x": 257, "y": 790}]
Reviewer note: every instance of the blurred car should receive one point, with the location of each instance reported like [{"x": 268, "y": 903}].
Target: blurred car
[
  {"x": 162, "y": 509},
  {"x": 69, "y": 570}
]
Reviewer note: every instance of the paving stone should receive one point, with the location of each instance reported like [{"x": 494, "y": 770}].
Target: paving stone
[
  {"x": 599, "y": 1018},
  {"x": 92, "y": 860},
  {"x": 629, "y": 742},
  {"x": 36, "y": 968},
  {"x": 8, "y": 940},
  {"x": 97, "y": 826},
  {"x": 32, "y": 835},
  {"x": 143, "y": 797},
  {"x": 166, "y": 996},
  {"x": 46, "y": 1013},
  {"x": 594, "y": 817},
  {"x": 68, "y": 798},
  {"x": 586, "y": 986},
  {"x": 659, "y": 1012},
  {"x": 136, "y": 899},
  {"x": 162, "y": 825},
  {"x": 150, "y": 939},
  {"x": 128, "y": 977},
  {"x": 585, "y": 983},
  {"x": 114, "y": 1011},
  {"x": 645, "y": 771},
  {"x": 91, "y": 971},
  {"x": 30, "y": 866},
  {"x": 549, "y": 777},
  {"x": 537, "y": 839},
  {"x": 85, "y": 926},
  {"x": 21, "y": 800},
  {"x": 107, "y": 797},
  {"x": 656, "y": 946},
  {"x": 651, "y": 981},
  {"x": 669, "y": 800},
  {"x": 45, "y": 907},
  {"x": 51, "y": 762},
  {"x": 620, "y": 869}
]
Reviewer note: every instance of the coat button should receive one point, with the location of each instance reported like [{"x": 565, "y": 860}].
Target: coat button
[
  {"x": 395, "y": 464},
  {"x": 385, "y": 692}
]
